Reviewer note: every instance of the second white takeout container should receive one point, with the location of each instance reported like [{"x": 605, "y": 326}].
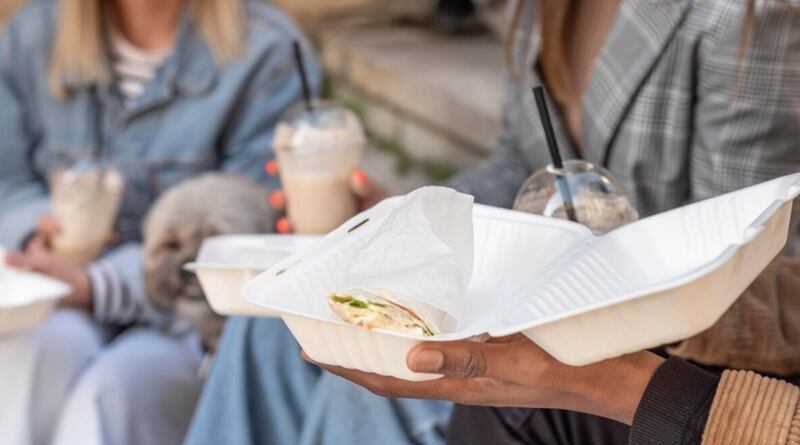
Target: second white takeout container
[
  {"x": 224, "y": 263},
  {"x": 26, "y": 298},
  {"x": 581, "y": 298}
]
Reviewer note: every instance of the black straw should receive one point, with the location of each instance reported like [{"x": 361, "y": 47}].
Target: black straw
[
  {"x": 552, "y": 145},
  {"x": 544, "y": 115},
  {"x": 301, "y": 68}
]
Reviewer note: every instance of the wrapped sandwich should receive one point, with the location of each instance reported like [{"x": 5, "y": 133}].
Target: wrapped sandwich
[
  {"x": 372, "y": 311},
  {"x": 411, "y": 271}
]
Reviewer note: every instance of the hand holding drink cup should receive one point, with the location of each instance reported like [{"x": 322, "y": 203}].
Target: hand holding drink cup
[
  {"x": 85, "y": 200},
  {"x": 318, "y": 151},
  {"x": 319, "y": 147},
  {"x": 366, "y": 192}
]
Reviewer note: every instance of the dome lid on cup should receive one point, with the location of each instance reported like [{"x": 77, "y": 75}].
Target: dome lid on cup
[
  {"x": 326, "y": 126},
  {"x": 598, "y": 197}
]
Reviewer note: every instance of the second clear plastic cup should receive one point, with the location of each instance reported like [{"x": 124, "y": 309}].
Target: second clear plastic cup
[
  {"x": 85, "y": 203},
  {"x": 317, "y": 151},
  {"x": 597, "y": 196}
]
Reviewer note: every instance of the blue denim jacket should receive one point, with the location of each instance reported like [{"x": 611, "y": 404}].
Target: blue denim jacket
[{"x": 194, "y": 116}]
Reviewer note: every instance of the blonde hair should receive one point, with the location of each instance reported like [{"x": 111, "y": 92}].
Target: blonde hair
[{"x": 80, "y": 47}]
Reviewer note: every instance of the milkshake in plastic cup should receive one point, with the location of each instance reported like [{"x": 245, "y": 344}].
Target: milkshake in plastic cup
[
  {"x": 317, "y": 150},
  {"x": 85, "y": 203}
]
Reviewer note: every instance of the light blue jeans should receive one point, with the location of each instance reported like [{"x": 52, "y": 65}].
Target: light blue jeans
[
  {"x": 68, "y": 382},
  {"x": 261, "y": 391}
]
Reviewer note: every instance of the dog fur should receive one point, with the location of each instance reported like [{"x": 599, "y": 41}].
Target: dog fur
[{"x": 175, "y": 227}]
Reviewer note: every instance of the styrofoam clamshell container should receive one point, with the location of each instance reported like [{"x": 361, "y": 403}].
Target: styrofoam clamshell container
[
  {"x": 27, "y": 298},
  {"x": 581, "y": 298},
  {"x": 224, "y": 263}
]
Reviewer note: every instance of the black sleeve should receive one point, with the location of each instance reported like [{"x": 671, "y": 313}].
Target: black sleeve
[{"x": 675, "y": 406}]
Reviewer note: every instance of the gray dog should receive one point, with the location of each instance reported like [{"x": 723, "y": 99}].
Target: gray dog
[{"x": 207, "y": 205}]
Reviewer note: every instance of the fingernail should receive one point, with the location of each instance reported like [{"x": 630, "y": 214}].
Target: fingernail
[
  {"x": 361, "y": 177},
  {"x": 271, "y": 167},
  {"x": 283, "y": 226},
  {"x": 429, "y": 360},
  {"x": 276, "y": 199}
]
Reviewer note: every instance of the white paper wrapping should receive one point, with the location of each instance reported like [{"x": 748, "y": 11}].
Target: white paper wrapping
[{"x": 422, "y": 254}]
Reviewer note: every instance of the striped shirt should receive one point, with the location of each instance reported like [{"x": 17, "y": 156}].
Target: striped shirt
[
  {"x": 121, "y": 302},
  {"x": 133, "y": 67}
]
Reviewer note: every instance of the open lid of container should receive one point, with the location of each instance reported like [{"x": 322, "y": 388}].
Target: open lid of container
[
  {"x": 252, "y": 252},
  {"x": 654, "y": 254}
]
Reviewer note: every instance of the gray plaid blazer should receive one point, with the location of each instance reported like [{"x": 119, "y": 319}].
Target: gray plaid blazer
[{"x": 662, "y": 109}]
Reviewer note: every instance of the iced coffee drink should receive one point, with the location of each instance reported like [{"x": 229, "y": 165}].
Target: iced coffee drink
[
  {"x": 85, "y": 204},
  {"x": 317, "y": 150}
]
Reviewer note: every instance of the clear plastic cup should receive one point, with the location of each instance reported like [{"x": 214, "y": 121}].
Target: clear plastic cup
[
  {"x": 85, "y": 204},
  {"x": 598, "y": 199},
  {"x": 317, "y": 151}
]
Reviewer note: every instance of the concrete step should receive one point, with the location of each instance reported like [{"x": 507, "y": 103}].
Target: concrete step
[
  {"x": 314, "y": 16},
  {"x": 431, "y": 96},
  {"x": 397, "y": 177}
]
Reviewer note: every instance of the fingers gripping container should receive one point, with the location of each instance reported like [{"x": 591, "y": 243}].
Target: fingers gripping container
[
  {"x": 581, "y": 298},
  {"x": 224, "y": 263}
]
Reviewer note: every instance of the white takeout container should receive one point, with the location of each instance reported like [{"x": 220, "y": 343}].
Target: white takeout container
[
  {"x": 581, "y": 298},
  {"x": 26, "y": 298},
  {"x": 224, "y": 263}
]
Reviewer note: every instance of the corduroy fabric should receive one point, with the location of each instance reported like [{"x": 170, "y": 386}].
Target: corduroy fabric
[{"x": 750, "y": 409}]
